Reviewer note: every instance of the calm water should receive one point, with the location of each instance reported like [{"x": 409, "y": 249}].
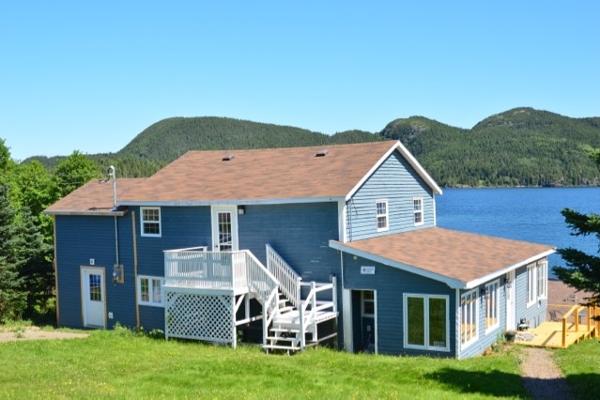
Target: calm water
[{"x": 525, "y": 214}]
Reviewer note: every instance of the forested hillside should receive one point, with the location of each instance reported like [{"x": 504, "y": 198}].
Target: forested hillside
[{"x": 522, "y": 146}]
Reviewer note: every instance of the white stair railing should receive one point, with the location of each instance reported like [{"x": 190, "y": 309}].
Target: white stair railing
[{"x": 289, "y": 281}]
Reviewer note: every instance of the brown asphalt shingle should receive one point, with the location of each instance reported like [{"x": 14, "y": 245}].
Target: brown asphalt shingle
[
  {"x": 458, "y": 255},
  {"x": 281, "y": 173},
  {"x": 93, "y": 197}
]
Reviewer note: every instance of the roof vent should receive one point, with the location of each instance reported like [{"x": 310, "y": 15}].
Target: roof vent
[
  {"x": 321, "y": 153},
  {"x": 227, "y": 157}
]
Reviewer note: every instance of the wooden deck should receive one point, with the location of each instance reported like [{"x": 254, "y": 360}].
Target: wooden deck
[
  {"x": 575, "y": 325},
  {"x": 549, "y": 334}
]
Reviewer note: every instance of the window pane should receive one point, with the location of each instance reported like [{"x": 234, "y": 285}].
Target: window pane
[
  {"x": 381, "y": 208},
  {"x": 437, "y": 322},
  {"x": 95, "y": 289},
  {"x": 418, "y": 204},
  {"x": 381, "y": 222},
  {"x": 418, "y": 217},
  {"x": 156, "y": 291},
  {"x": 144, "y": 290},
  {"x": 416, "y": 320},
  {"x": 151, "y": 228}
]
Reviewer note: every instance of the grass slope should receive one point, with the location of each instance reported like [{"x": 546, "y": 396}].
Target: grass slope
[
  {"x": 119, "y": 365},
  {"x": 581, "y": 365}
]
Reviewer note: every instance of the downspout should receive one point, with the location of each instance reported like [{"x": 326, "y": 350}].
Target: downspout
[
  {"x": 135, "y": 271},
  {"x": 55, "y": 267},
  {"x": 113, "y": 177}
]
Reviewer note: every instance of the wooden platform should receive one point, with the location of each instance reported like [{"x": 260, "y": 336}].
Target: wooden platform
[
  {"x": 578, "y": 323},
  {"x": 549, "y": 334}
]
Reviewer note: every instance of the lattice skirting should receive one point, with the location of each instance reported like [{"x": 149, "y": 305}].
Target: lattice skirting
[{"x": 199, "y": 316}]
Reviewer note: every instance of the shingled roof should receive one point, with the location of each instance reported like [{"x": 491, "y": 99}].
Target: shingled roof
[
  {"x": 461, "y": 259},
  {"x": 302, "y": 174},
  {"x": 93, "y": 198}
]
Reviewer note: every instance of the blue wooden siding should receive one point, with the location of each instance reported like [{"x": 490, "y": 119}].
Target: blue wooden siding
[
  {"x": 536, "y": 313},
  {"x": 300, "y": 233},
  {"x": 390, "y": 284},
  {"x": 396, "y": 181},
  {"x": 80, "y": 238},
  {"x": 486, "y": 339}
]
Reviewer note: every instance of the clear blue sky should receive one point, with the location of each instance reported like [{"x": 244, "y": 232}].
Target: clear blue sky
[{"x": 90, "y": 77}]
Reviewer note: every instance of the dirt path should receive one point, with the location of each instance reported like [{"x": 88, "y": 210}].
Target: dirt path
[
  {"x": 541, "y": 376},
  {"x": 35, "y": 333}
]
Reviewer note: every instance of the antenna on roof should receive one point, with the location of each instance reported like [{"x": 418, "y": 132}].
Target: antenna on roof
[{"x": 112, "y": 175}]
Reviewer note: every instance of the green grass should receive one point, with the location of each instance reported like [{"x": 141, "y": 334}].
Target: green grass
[
  {"x": 581, "y": 365},
  {"x": 118, "y": 364}
]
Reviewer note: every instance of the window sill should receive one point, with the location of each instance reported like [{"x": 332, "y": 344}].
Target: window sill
[
  {"x": 383, "y": 229},
  {"x": 150, "y": 236},
  {"x": 492, "y": 329},
  {"x": 152, "y": 304},
  {"x": 468, "y": 344},
  {"x": 426, "y": 348}
]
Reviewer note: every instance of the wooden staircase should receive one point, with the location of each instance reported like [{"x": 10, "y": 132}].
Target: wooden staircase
[{"x": 295, "y": 319}]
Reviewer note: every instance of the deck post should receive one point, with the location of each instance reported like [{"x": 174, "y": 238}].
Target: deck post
[
  {"x": 233, "y": 328},
  {"x": 589, "y": 319},
  {"x": 564, "y": 332},
  {"x": 577, "y": 319},
  {"x": 334, "y": 293}
]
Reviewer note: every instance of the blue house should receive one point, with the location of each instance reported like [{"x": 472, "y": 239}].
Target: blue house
[{"x": 291, "y": 247}]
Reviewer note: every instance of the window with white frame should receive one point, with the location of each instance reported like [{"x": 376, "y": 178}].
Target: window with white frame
[
  {"x": 418, "y": 210},
  {"x": 382, "y": 215},
  {"x": 150, "y": 290},
  {"x": 368, "y": 303},
  {"x": 469, "y": 317},
  {"x": 531, "y": 284},
  {"x": 150, "y": 221},
  {"x": 426, "y": 324},
  {"x": 542, "y": 279},
  {"x": 492, "y": 306}
]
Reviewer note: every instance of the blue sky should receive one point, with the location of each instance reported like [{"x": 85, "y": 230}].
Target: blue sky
[{"x": 91, "y": 76}]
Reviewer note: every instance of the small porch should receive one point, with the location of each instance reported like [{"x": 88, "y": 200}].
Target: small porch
[{"x": 576, "y": 324}]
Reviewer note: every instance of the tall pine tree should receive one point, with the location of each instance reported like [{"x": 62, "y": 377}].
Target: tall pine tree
[
  {"x": 12, "y": 297},
  {"x": 583, "y": 270}
]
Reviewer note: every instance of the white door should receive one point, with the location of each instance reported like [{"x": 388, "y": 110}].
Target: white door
[
  {"x": 93, "y": 297},
  {"x": 510, "y": 302},
  {"x": 224, "y": 228}
]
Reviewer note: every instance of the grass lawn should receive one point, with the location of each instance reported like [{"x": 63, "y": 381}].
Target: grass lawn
[
  {"x": 117, "y": 364},
  {"x": 581, "y": 365}
]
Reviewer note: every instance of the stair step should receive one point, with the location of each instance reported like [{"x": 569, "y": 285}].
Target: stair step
[
  {"x": 285, "y": 330},
  {"x": 280, "y": 347},
  {"x": 286, "y": 309},
  {"x": 285, "y": 339}
]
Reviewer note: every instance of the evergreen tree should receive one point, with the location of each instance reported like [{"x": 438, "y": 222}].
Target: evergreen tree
[
  {"x": 583, "y": 270},
  {"x": 36, "y": 272},
  {"x": 12, "y": 296},
  {"x": 73, "y": 172}
]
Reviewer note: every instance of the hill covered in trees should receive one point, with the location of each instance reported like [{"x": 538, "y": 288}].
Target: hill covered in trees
[{"x": 522, "y": 146}]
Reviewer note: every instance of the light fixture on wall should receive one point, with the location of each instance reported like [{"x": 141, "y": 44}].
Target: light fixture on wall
[{"x": 241, "y": 210}]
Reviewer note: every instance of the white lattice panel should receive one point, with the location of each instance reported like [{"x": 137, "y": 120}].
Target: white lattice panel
[{"x": 199, "y": 316}]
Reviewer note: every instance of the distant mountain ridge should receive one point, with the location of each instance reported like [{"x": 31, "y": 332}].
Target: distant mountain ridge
[{"x": 521, "y": 146}]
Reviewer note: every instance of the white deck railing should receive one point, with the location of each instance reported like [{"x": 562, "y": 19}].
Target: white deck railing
[
  {"x": 196, "y": 268},
  {"x": 289, "y": 281}
]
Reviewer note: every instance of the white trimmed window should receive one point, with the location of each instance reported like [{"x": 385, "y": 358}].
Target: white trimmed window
[
  {"x": 382, "y": 215},
  {"x": 426, "y": 324},
  {"x": 368, "y": 303},
  {"x": 150, "y": 221},
  {"x": 418, "y": 210},
  {"x": 469, "y": 317},
  {"x": 531, "y": 284},
  {"x": 492, "y": 306},
  {"x": 150, "y": 291},
  {"x": 542, "y": 279}
]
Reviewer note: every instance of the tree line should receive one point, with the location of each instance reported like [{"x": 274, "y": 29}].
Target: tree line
[{"x": 26, "y": 233}]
